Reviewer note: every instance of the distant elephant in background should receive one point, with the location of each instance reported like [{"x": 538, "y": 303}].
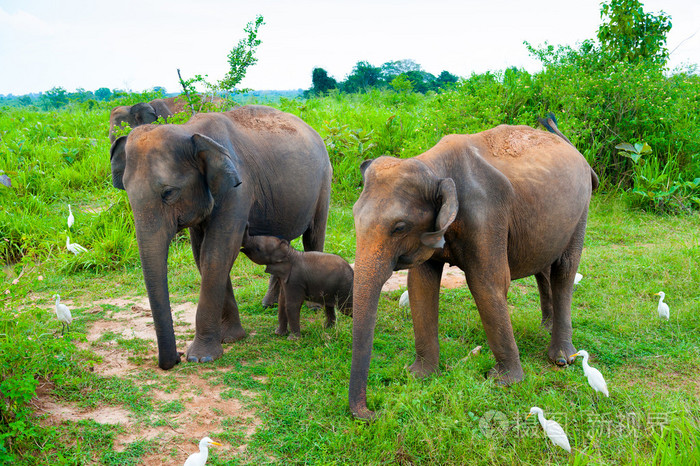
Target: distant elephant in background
[
  {"x": 304, "y": 276},
  {"x": 502, "y": 204},
  {"x": 216, "y": 174},
  {"x": 143, "y": 113}
]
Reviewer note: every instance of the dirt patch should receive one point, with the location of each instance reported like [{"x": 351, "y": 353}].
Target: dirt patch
[
  {"x": 452, "y": 277},
  {"x": 182, "y": 415}
]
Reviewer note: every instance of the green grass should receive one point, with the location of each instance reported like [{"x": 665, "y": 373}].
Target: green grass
[{"x": 297, "y": 390}]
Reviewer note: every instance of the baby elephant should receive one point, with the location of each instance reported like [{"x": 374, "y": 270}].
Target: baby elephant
[{"x": 313, "y": 276}]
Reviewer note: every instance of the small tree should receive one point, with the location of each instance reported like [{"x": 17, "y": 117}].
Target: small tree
[
  {"x": 632, "y": 35},
  {"x": 56, "y": 97},
  {"x": 240, "y": 58},
  {"x": 103, "y": 93},
  {"x": 321, "y": 81},
  {"x": 363, "y": 76}
]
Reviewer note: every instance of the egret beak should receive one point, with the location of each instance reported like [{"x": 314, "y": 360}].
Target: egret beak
[
  {"x": 526, "y": 418},
  {"x": 216, "y": 443},
  {"x": 573, "y": 355},
  {"x": 657, "y": 294}
]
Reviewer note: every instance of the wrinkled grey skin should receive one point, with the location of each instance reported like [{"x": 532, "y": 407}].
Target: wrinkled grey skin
[
  {"x": 216, "y": 174},
  {"x": 315, "y": 276},
  {"x": 143, "y": 113},
  {"x": 502, "y": 204}
]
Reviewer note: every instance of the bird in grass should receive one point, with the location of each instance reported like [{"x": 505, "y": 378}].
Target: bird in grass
[
  {"x": 664, "y": 311},
  {"x": 552, "y": 428},
  {"x": 63, "y": 314},
  {"x": 577, "y": 279},
  {"x": 200, "y": 458},
  {"x": 403, "y": 300},
  {"x": 75, "y": 248},
  {"x": 71, "y": 219},
  {"x": 595, "y": 378}
]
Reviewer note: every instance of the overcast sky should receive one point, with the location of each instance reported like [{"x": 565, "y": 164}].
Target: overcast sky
[{"x": 138, "y": 44}]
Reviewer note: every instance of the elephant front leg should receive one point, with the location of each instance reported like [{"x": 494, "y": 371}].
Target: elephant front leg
[
  {"x": 231, "y": 329},
  {"x": 424, "y": 293},
  {"x": 206, "y": 346}
]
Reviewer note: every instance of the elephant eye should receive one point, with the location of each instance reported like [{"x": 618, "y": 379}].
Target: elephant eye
[
  {"x": 170, "y": 195},
  {"x": 399, "y": 227}
]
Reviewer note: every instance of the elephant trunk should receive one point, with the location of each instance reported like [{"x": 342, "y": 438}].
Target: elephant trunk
[
  {"x": 372, "y": 270},
  {"x": 153, "y": 250}
]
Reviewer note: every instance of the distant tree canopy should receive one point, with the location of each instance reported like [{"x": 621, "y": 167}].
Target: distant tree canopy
[
  {"x": 401, "y": 75},
  {"x": 321, "y": 81}
]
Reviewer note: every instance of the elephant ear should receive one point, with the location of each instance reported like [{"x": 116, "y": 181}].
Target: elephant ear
[
  {"x": 161, "y": 109},
  {"x": 143, "y": 113},
  {"x": 281, "y": 265},
  {"x": 363, "y": 167},
  {"x": 216, "y": 164},
  {"x": 447, "y": 200},
  {"x": 117, "y": 159}
]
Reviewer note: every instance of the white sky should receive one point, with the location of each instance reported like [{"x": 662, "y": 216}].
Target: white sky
[{"x": 138, "y": 44}]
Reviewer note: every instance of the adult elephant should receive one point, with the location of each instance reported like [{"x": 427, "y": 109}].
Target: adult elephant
[
  {"x": 502, "y": 204},
  {"x": 143, "y": 113},
  {"x": 216, "y": 174}
]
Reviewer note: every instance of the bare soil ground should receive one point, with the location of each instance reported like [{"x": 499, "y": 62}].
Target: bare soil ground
[{"x": 201, "y": 406}]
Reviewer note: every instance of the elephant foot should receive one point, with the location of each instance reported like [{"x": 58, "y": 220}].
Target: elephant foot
[
  {"x": 363, "y": 413},
  {"x": 200, "y": 351},
  {"x": 329, "y": 324},
  {"x": 281, "y": 331},
  {"x": 422, "y": 368},
  {"x": 294, "y": 336},
  {"x": 560, "y": 354},
  {"x": 268, "y": 303},
  {"x": 232, "y": 333},
  {"x": 547, "y": 324},
  {"x": 506, "y": 376}
]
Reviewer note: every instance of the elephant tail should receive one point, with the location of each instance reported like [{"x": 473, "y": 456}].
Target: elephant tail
[
  {"x": 550, "y": 124},
  {"x": 594, "y": 180}
]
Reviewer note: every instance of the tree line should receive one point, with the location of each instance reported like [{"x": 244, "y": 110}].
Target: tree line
[{"x": 399, "y": 75}]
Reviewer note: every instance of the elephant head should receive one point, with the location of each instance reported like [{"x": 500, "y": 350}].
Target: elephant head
[
  {"x": 173, "y": 179},
  {"x": 270, "y": 251},
  {"x": 142, "y": 113},
  {"x": 400, "y": 221}
]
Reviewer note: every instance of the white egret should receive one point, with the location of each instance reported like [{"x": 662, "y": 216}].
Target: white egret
[
  {"x": 664, "y": 311},
  {"x": 577, "y": 279},
  {"x": 403, "y": 300},
  {"x": 595, "y": 378},
  {"x": 75, "y": 248},
  {"x": 71, "y": 219},
  {"x": 63, "y": 314},
  {"x": 552, "y": 428},
  {"x": 200, "y": 458}
]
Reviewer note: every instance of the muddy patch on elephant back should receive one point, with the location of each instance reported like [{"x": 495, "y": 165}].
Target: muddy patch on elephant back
[{"x": 188, "y": 402}]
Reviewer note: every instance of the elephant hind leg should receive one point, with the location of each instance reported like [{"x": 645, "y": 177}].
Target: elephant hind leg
[
  {"x": 563, "y": 272},
  {"x": 545, "y": 288},
  {"x": 315, "y": 235}
]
